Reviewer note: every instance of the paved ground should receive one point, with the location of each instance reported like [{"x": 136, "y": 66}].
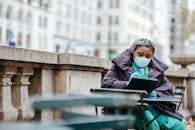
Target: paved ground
[{"x": 190, "y": 124}]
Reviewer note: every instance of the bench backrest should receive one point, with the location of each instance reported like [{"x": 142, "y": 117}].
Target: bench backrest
[{"x": 179, "y": 94}]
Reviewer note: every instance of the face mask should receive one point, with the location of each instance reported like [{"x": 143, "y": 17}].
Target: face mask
[{"x": 141, "y": 62}]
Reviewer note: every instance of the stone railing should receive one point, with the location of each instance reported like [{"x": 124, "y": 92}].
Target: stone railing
[
  {"x": 184, "y": 76},
  {"x": 24, "y": 73}
]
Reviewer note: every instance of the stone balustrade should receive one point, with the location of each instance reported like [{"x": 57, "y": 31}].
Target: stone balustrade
[
  {"x": 184, "y": 76},
  {"x": 24, "y": 73}
]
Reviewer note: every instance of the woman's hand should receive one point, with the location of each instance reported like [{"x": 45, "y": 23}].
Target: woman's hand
[
  {"x": 132, "y": 76},
  {"x": 152, "y": 95}
]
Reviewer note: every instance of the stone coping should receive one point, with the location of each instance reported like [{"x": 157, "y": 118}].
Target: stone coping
[
  {"x": 26, "y": 55},
  {"x": 33, "y": 56},
  {"x": 74, "y": 59}
]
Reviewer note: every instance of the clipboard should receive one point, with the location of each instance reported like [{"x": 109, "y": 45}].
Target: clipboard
[{"x": 138, "y": 83}]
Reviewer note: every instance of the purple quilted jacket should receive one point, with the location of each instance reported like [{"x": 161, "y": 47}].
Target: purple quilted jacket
[{"x": 120, "y": 72}]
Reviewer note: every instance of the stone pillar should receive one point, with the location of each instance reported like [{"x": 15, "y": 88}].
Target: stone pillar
[
  {"x": 47, "y": 86},
  {"x": 7, "y": 111},
  {"x": 188, "y": 76},
  {"x": 62, "y": 82},
  {"x": 20, "y": 94},
  {"x": 191, "y": 92}
]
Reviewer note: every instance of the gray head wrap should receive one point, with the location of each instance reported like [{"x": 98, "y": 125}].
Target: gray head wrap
[{"x": 142, "y": 42}]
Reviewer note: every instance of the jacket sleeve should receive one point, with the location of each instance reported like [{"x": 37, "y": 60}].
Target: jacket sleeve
[
  {"x": 165, "y": 89},
  {"x": 111, "y": 79}
]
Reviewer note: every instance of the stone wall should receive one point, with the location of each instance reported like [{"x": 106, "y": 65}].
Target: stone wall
[{"x": 25, "y": 73}]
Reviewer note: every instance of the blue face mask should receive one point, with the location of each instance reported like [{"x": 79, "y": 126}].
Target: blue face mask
[{"x": 141, "y": 62}]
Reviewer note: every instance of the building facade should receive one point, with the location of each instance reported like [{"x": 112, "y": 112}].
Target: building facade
[
  {"x": 100, "y": 28},
  {"x": 25, "y": 23},
  {"x": 120, "y": 22},
  {"x": 48, "y": 25},
  {"x": 74, "y": 23}
]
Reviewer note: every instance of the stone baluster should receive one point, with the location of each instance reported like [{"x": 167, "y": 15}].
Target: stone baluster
[
  {"x": 188, "y": 79},
  {"x": 20, "y": 93},
  {"x": 7, "y": 111},
  {"x": 47, "y": 86}
]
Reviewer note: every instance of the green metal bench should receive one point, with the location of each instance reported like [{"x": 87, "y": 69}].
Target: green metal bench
[
  {"x": 31, "y": 126},
  {"x": 142, "y": 100},
  {"x": 179, "y": 94},
  {"x": 91, "y": 122}
]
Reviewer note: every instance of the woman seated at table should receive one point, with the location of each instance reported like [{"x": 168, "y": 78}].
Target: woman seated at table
[{"x": 139, "y": 61}]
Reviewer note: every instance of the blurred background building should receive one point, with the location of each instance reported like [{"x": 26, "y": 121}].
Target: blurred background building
[
  {"x": 120, "y": 22},
  {"x": 26, "y": 23},
  {"x": 100, "y": 28}
]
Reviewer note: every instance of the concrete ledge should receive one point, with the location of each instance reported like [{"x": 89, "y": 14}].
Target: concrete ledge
[
  {"x": 74, "y": 59},
  {"x": 33, "y": 56},
  {"x": 19, "y": 54}
]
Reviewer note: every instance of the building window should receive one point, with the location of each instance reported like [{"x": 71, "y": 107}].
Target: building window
[
  {"x": 68, "y": 11},
  {"x": 42, "y": 42},
  {"x": 58, "y": 26},
  {"x": 100, "y": 4},
  {"x": 111, "y": 3},
  {"x": 97, "y": 52},
  {"x": 0, "y": 34},
  {"x": 116, "y": 37},
  {"x": 98, "y": 20},
  {"x": 98, "y": 37},
  {"x": 45, "y": 23},
  {"x": 57, "y": 48},
  {"x": 29, "y": 18},
  {"x": 89, "y": 19},
  {"x": 1, "y": 10},
  {"x": 20, "y": 15},
  {"x": 8, "y": 12},
  {"x": 20, "y": 1},
  {"x": 28, "y": 41},
  {"x": 117, "y": 4},
  {"x": 76, "y": 14},
  {"x": 19, "y": 39},
  {"x": 83, "y": 17},
  {"x": 110, "y": 20},
  {"x": 43, "y": 3},
  {"x": 40, "y": 21},
  {"x": 117, "y": 20},
  {"x": 67, "y": 28},
  {"x": 84, "y": 2},
  {"x": 172, "y": 20},
  {"x": 172, "y": 29},
  {"x": 109, "y": 36},
  {"x": 8, "y": 35},
  {"x": 29, "y": 2}
]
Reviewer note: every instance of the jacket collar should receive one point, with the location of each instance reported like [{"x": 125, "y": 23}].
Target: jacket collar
[{"x": 124, "y": 61}]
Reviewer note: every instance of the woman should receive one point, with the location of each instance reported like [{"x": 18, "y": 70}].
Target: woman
[{"x": 139, "y": 61}]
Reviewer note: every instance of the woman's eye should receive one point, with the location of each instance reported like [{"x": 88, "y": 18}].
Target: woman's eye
[
  {"x": 140, "y": 54},
  {"x": 149, "y": 57}
]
